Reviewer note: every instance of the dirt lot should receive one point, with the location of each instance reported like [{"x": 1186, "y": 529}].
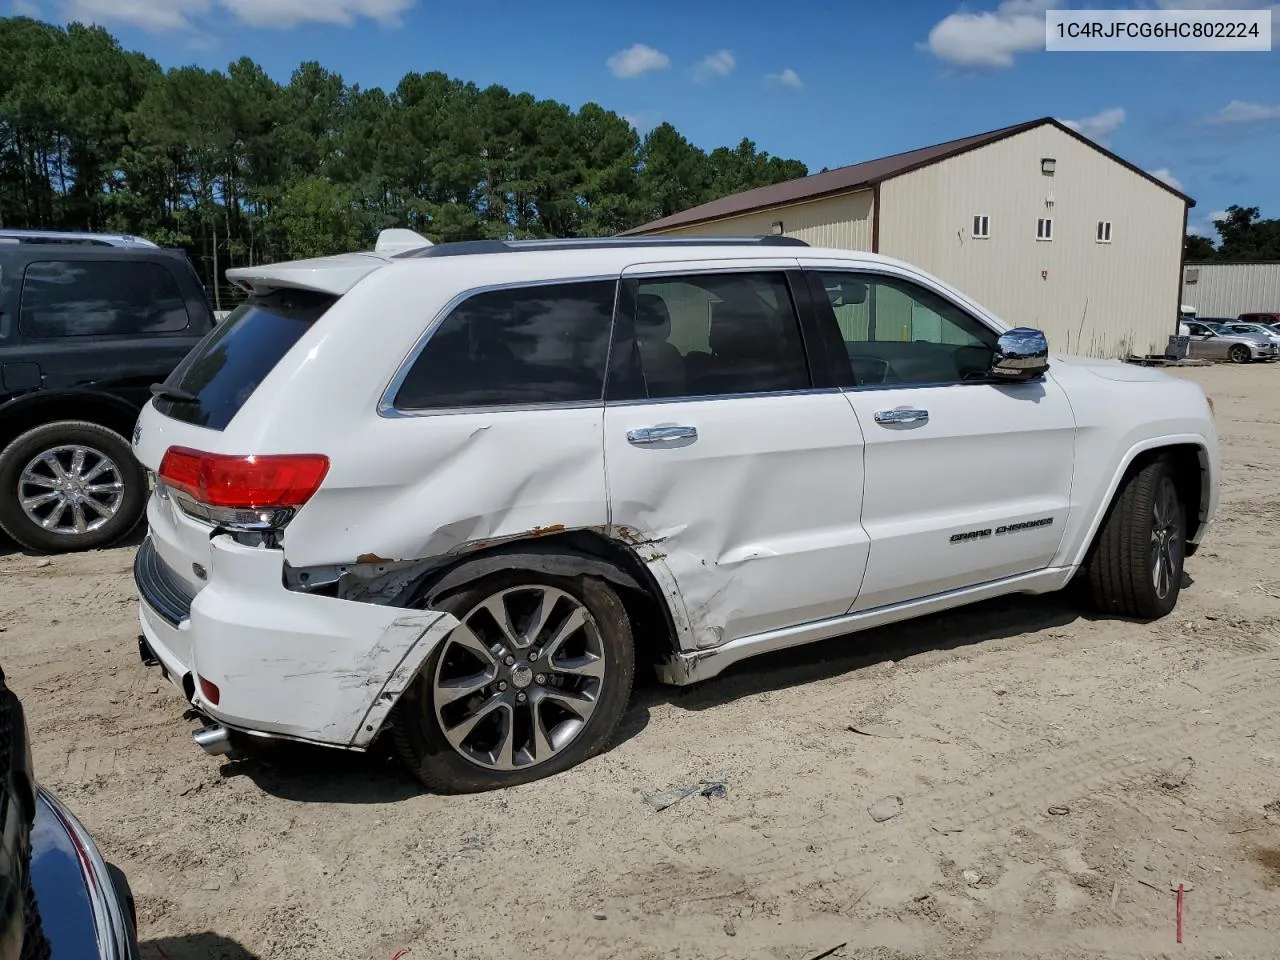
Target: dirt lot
[{"x": 1159, "y": 741}]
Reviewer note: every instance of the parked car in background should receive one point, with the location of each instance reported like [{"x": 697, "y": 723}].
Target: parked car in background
[
  {"x": 1212, "y": 341},
  {"x": 558, "y": 460},
  {"x": 89, "y": 327},
  {"x": 1270, "y": 319},
  {"x": 59, "y": 899},
  {"x": 1234, "y": 326}
]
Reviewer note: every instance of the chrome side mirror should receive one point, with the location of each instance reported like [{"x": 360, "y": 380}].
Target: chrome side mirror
[{"x": 1020, "y": 354}]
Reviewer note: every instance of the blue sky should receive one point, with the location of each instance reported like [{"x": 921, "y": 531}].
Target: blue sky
[{"x": 829, "y": 82}]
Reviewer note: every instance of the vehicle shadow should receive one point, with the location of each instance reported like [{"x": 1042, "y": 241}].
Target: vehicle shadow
[
  {"x": 962, "y": 627},
  {"x": 196, "y": 946}
]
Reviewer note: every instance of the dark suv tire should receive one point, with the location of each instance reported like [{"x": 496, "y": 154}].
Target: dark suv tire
[
  {"x": 70, "y": 485},
  {"x": 498, "y": 704},
  {"x": 1135, "y": 569}
]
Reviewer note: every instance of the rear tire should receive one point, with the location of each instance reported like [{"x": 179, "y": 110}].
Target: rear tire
[
  {"x": 1239, "y": 354},
  {"x": 473, "y": 721},
  {"x": 32, "y": 466},
  {"x": 1135, "y": 569}
]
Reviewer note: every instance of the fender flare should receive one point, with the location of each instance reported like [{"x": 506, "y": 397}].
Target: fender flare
[{"x": 1081, "y": 550}]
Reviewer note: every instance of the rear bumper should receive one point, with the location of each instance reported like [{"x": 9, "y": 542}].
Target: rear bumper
[{"x": 285, "y": 664}]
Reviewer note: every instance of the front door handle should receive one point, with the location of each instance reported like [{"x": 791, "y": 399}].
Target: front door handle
[
  {"x": 646, "y": 435},
  {"x": 902, "y": 415}
]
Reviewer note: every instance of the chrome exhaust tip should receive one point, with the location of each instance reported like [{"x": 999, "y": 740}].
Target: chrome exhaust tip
[{"x": 214, "y": 740}]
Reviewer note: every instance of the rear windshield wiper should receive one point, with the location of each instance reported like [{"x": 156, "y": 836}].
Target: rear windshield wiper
[{"x": 173, "y": 393}]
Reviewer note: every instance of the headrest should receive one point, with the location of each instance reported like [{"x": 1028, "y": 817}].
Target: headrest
[
  {"x": 653, "y": 320},
  {"x": 739, "y": 332}
]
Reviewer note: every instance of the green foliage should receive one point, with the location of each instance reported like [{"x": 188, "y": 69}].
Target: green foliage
[
  {"x": 1247, "y": 237},
  {"x": 238, "y": 168},
  {"x": 1199, "y": 248}
]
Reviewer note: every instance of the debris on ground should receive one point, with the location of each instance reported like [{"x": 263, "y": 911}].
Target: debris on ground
[
  {"x": 662, "y": 799},
  {"x": 876, "y": 730},
  {"x": 971, "y": 877},
  {"x": 1059, "y": 811},
  {"x": 730, "y": 928},
  {"x": 886, "y": 808},
  {"x": 829, "y": 953},
  {"x": 1272, "y": 809},
  {"x": 1177, "y": 777}
]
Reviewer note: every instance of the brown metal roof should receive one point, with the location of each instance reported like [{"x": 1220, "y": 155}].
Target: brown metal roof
[{"x": 864, "y": 176}]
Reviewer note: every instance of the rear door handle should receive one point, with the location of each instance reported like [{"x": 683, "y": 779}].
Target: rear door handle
[
  {"x": 645, "y": 435},
  {"x": 902, "y": 415}
]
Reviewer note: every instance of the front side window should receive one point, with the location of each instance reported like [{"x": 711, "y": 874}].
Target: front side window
[
  {"x": 522, "y": 345},
  {"x": 717, "y": 334},
  {"x": 99, "y": 298},
  {"x": 895, "y": 331}
]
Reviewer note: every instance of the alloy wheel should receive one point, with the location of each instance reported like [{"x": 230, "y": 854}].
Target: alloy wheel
[
  {"x": 1166, "y": 538},
  {"x": 71, "y": 489},
  {"x": 519, "y": 677}
]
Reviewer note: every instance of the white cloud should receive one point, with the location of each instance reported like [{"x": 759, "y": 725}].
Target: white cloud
[
  {"x": 155, "y": 15},
  {"x": 718, "y": 64},
  {"x": 1205, "y": 227},
  {"x": 635, "y": 60},
  {"x": 785, "y": 78},
  {"x": 1165, "y": 175},
  {"x": 26, "y": 8},
  {"x": 161, "y": 15},
  {"x": 990, "y": 38},
  {"x": 1100, "y": 126},
  {"x": 642, "y": 122},
  {"x": 283, "y": 14},
  {"x": 1245, "y": 111}
]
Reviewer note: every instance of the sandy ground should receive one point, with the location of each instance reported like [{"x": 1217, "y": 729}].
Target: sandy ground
[{"x": 1158, "y": 741}]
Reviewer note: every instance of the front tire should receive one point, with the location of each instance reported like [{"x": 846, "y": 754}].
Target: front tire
[
  {"x": 1239, "y": 354},
  {"x": 70, "y": 485},
  {"x": 1135, "y": 569},
  {"x": 532, "y": 682}
]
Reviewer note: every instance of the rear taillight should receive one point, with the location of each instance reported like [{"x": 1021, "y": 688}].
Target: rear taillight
[{"x": 252, "y": 492}]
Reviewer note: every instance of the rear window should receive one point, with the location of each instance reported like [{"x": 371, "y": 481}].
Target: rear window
[
  {"x": 99, "y": 298},
  {"x": 224, "y": 369}
]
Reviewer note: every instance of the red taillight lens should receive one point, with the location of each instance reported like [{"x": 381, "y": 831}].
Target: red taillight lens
[
  {"x": 210, "y": 691},
  {"x": 244, "y": 483}
]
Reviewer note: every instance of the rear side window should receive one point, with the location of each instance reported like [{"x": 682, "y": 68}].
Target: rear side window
[
  {"x": 219, "y": 375},
  {"x": 543, "y": 344},
  {"x": 99, "y": 298}
]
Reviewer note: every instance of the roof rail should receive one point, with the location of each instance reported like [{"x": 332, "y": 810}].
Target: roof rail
[
  {"x": 74, "y": 237},
  {"x": 470, "y": 247}
]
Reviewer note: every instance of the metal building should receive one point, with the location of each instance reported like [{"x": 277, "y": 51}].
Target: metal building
[
  {"x": 1035, "y": 221},
  {"x": 1218, "y": 289}
]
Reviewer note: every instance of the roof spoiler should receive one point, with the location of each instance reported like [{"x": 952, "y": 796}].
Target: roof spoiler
[{"x": 398, "y": 240}]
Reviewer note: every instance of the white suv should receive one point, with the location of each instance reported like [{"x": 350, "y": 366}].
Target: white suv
[{"x": 460, "y": 491}]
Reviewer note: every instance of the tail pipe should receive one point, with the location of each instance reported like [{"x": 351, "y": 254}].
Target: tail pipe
[{"x": 214, "y": 740}]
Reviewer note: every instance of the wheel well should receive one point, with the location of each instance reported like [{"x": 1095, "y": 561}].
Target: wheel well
[
  {"x": 652, "y": 627},
  {"x": 112, "y": 414},
  {"x": 1186, "y": 460}
]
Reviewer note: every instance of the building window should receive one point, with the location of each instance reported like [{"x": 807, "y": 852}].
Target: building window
[
  {"x": 1044, "y": 228},
  {"x": 1104, "y": 231},
  {"x": 981, "y": 227}
]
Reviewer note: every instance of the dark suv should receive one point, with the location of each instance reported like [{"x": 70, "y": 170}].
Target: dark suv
[{"x": 85, "y": 330}]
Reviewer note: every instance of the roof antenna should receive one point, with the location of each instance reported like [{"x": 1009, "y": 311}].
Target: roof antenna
[{"x": 397, "y": 240}]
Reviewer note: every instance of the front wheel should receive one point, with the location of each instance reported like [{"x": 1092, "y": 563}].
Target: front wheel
[
  {"x": 532, "y": 681},
  {"x": 70, "y": 485},
  {"x": 1239, "y": 354},
  {"x": 1135, "y": 569}
]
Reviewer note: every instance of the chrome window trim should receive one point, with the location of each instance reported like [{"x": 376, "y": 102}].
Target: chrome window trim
[
  {"x": 705, "y": 398},
  {"x": 386, "y": 402}
]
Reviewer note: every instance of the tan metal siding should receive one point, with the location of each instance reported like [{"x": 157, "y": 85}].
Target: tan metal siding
[
  {"x": 1230, "y": 289},
  {"x": 1098, "y": 299},
  {"x": 842, "y": 222}
]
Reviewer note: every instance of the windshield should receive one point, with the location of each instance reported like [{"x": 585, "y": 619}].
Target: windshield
[{"x": 219, "y": 375}]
